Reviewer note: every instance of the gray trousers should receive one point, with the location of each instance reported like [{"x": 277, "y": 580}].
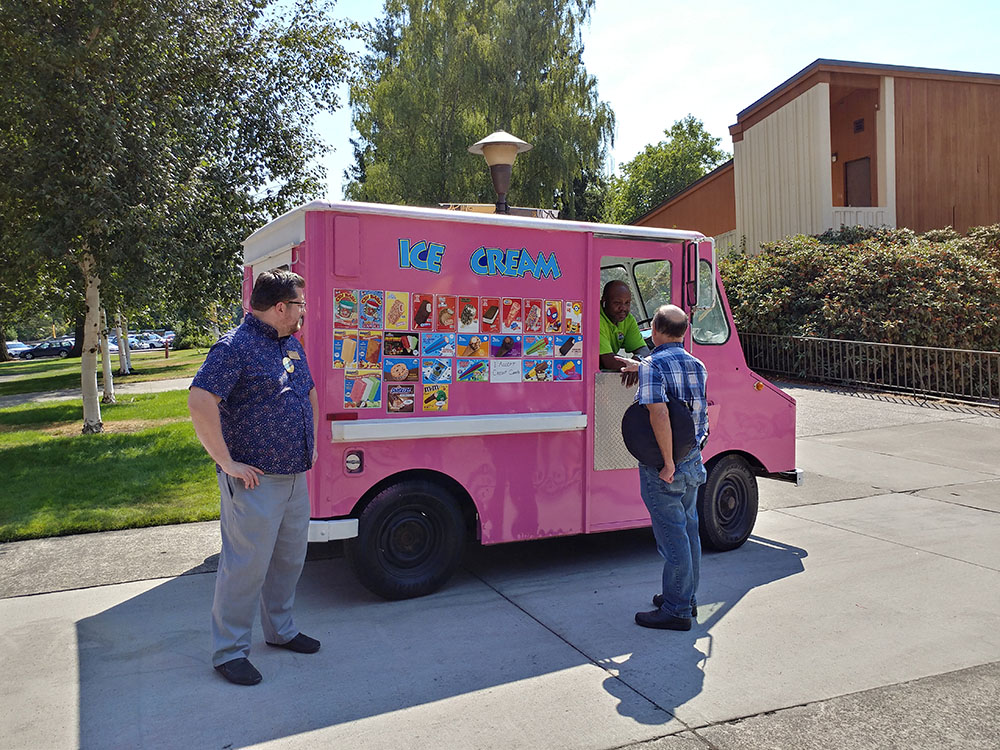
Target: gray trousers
[{"x": 265, "y": 532}]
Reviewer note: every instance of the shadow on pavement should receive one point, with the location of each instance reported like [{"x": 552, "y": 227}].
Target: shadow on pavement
[{"x": 145, "y": 678}]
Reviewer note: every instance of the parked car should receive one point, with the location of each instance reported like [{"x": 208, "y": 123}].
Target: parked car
[
  {"x": 15, "y": 347},
  {"x": 48, "y": 349},
  {"x": 151, "y": 340},
  {"x": 133, "y": 343}
]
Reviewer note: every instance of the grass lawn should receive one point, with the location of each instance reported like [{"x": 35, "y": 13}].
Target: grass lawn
[
  {"x": 146, "y": 469},
  {"x": 35, "y": 375}
]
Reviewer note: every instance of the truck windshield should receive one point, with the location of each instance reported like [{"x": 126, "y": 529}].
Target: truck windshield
[{"x": 709, "y": 326}]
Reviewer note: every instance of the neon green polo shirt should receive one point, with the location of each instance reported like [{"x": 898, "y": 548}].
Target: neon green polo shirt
[{"x": 624, "y": 335}]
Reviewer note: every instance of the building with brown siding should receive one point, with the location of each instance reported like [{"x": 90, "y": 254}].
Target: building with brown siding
[{"x": 848, "y": 143}]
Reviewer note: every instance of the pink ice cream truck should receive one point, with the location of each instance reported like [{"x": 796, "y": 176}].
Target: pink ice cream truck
[{"x": 456, "y": 362}]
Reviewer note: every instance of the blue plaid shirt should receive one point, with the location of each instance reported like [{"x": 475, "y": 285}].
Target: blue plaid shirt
[
  {"x": 670, "y": 369},
  {"x": 266, "y": 415}
]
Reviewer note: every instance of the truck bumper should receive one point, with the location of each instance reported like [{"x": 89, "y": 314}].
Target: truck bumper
[
  {"x": 794, "y": 476},
  {"x": 326, "y": 531}
]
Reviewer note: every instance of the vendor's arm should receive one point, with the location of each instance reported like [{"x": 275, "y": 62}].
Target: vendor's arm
[{"x": 204, "y": 408}]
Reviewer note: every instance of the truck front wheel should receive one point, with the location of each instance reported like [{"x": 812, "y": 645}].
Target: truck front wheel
[
  {"x": 727, "y": 504},
  {"x": 410, "y": 540}
]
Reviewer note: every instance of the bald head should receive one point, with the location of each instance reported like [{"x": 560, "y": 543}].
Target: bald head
[
  {"x": 616, "y": 300},
  {"x": 670, "y": 321}
]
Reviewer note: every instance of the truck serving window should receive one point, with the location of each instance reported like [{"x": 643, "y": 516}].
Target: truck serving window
[{"x": 709, "y": 326}]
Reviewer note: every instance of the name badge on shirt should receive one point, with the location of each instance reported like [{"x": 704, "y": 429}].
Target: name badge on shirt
[
  {"x": 288, "y": 365},
  {"x": 293, "y": 355}
]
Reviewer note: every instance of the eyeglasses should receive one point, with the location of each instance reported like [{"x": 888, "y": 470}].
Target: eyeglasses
[{"x": 295, "y": 302}]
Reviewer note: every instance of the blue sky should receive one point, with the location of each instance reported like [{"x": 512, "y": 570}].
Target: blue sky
[{"x": 657, "y": 60}]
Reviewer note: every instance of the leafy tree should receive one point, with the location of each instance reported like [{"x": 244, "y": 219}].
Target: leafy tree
[
  {"x": 140, "y": 143},
  {"x": 687, "y": 153},
  {"x": 440, "y": 76}
]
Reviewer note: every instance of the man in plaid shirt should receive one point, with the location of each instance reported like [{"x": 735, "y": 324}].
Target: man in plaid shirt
[{"x": 671, "y": 493}]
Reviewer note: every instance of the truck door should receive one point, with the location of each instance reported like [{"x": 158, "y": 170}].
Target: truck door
[{"x": 654, "y": 273}]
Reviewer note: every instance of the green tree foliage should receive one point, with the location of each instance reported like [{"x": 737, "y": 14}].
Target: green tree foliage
[
  {"x": 883, "y": 285},
  {"x": 153, "y": 137},
  {"x": 440, "y": 76},
  {"x": 687, "y": 153}
]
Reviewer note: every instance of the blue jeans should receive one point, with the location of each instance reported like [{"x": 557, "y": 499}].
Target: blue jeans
[{"x": 673, "y": 510}]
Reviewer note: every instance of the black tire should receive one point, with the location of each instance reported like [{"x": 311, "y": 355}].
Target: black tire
[
  {"x": 63, "y": 354},
  {"x": 29, "y": 355},
  {"x": 410, "y": 540},
  {"x": 727, "y": 504}
]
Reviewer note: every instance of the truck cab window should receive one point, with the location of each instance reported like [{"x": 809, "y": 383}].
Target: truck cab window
[
  {"x": 709, "y": 325},
  {"x": 652, "y": 278}
]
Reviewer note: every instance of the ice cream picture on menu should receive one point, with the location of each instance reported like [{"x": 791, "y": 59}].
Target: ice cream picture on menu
[
  {"x": 534, "y": 318},
  {"x": 370, "y": 310},
  {"x": 445, "y": 318},
  {"x": 468, "y": 314},
  {"x": 553, "y": 316},
  {"x": 568, "y": 369},
  {"x": 397, "y": 311},
  {"x": 574, "y": 316},
  {"x": 362, "y": 389},
  {"x": 473, "y": 370},
  {"x": 400, "y": 398},
  {"x": 345, "y": 308},
  {"x": 511, "y": 316},
  {"x": 423, "y": 311},
  {"x": 471, "y": 345},
  {"x": 345, "y": 349},
  {"x": 435, "y": 398},
  {"x": 489, "y": 317}
]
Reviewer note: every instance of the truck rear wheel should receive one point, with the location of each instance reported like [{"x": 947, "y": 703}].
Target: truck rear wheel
[
  {"x": 727, "y": 504},
  {"x": 410, "y": 540}
]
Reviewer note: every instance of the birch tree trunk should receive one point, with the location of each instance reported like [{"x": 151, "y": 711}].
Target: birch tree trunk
[
  {"x": 88, "y": 358},
  {"x": 124, "y": 355},
  {"x": 109, "y": 378},
  {"x": 128, "y": 346}
]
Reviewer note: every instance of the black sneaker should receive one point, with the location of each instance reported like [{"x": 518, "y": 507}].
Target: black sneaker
[
  {"x": 658, "y": 602},
  {"x": 662, "y": 621},
  {"x": 239, "y": 672},
  {"x": 300, "y": 644}
]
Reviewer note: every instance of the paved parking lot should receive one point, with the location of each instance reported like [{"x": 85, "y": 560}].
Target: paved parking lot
[{"x": 863, "y": 613}]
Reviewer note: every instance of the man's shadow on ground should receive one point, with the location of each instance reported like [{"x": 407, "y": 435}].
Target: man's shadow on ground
[
  {"x": 145, "y": 678},
  {"x": 602, "y": 580}
]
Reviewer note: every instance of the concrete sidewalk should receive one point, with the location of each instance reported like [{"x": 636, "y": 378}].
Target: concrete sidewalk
[
  {"x": 146, "y": 386},
  {"x": 863, "y": 613}
]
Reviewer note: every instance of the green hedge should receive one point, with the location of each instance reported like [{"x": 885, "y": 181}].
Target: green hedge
[{"x": 883, "y": 285}]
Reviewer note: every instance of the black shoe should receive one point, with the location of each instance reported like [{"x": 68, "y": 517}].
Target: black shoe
[
  {"x": 658, "y": 602},
  {"x": 239, "y": 672},
  {"x": 662, "y": 621},
  {"x": 300, "y": 644}
]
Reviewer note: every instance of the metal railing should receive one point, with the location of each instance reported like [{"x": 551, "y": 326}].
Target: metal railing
[{"x": 959, "y": 374}]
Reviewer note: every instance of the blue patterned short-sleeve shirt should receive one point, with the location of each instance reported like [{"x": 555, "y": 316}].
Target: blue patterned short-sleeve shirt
[
  {"x": 264, "y": 384},
  {"x": 670, "y": 369}
]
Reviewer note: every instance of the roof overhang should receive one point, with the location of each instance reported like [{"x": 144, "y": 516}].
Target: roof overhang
[{"x": 823, "y": 71}]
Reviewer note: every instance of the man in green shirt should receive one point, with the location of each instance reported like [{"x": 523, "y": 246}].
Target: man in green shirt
[{"x": 619, "y": 330}]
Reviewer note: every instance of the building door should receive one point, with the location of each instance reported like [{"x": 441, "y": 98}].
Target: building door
[{"x": 858, "y": 182}]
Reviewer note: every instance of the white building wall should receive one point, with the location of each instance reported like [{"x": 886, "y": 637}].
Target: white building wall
[
  {"x": 782, "y": 171},
  {"x": 885, "y": 135}
]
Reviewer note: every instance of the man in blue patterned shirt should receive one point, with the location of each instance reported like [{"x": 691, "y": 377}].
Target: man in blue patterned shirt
[
  {"x": 253, "y": 405},
  {"x": 671, "y": 493}
]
